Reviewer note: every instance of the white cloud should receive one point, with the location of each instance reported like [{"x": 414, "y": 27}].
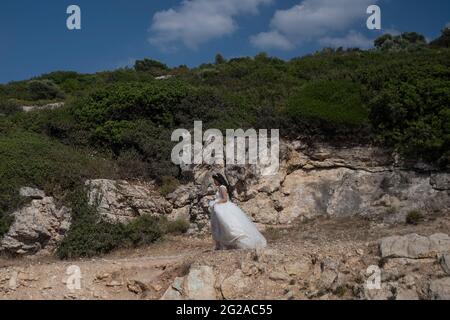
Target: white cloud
[
  {"x": 194, "y": 22},
  {"x": 447, "y": 25},
  {"x": 312, "y": 20},
  {"x": 271, "y": 40}
]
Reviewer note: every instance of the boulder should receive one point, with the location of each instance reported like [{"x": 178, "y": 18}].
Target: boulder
[
  {"x": 182, "y": 214},
  {"x": 440, "y": 181},
  {"x": 235, "y": 286},
  {"x": 38, "y": 225},
  {"x": 175, "y": 290},
  {"x": 326, "y": 280},
  {"x": 414, "y": 246},
  {"x": 198, "y": 284},
  {"x": 121, "y": 201}
]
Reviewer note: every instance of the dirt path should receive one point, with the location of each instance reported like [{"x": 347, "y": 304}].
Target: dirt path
[
  {"x": 126, "y": 274},
  {"x": 147, "y": 272}
]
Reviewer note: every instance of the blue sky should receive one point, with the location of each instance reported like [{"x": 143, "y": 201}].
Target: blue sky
[{"x": 35, "y": 40}]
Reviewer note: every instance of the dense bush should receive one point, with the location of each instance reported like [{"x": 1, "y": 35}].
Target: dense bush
[
  {"x": 8, "y": 107},
  {"x": 90, "y": 235},
  {"x": 153, "y": 67},
  {"x": 332, "y": 101},
  {"x": 44, "y": 90},
  {"x": 123, "y": 102}
]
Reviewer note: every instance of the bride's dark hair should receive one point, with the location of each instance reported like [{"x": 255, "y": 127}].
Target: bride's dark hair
[{"x": 223, "y": 182}]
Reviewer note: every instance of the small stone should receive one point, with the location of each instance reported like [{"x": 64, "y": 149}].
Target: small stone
[
  {"x": 114, "y": 283},
  {"x": 405, "y": 294},
  {"x": 300, "y": 268},
  {"x": 101, "y": 277},
  {"x": 290, "y": 295},
  {"x": 327, "y": 279},
  {"x": 156, "y": 287},
  {"x": 279, "y": 276},
  {"x": 136, "y": 287}
]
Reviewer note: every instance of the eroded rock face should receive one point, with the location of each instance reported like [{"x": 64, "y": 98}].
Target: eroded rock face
[
  {"x": 346, "y": 192},
  {"x": 320, "y": 179},
  {"x": 261, "y": 209},
  {"x": 40, "y": 225},
  {"x": 121, "y": 201}
]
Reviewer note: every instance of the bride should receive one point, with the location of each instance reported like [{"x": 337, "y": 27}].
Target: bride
[{"x": 230, "y": 226}]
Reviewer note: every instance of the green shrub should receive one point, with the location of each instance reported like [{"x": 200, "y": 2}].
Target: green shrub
[
  {"x": 5, "y": 223},
  {"x": 44, "y": 90},
  {"x": 143, "y": 231},
  {"x": 8, "y": 107},
  {"x": 89, "y": 235},
  {"x": 178, "y": 226},
  {"x": 151, "y": 66},
  {"x": 131, "y": 101},
  {"x": 168, "y": 185}
]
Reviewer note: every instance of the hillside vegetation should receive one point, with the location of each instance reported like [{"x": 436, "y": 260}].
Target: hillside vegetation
[{"x": 118, "y": 124}]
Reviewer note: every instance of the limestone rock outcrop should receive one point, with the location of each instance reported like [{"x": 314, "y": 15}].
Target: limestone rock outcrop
[
  {"x": 121, "y": 201},
  {"x": 39, "y": 225}
]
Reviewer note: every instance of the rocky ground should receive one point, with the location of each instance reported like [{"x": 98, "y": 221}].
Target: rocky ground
[{"x": 320, "y": 259}]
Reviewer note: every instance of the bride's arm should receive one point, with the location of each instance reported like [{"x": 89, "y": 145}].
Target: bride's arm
[{"x": 224, "y": 193}]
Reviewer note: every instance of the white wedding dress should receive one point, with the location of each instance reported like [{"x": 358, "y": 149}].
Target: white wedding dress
[{"x": 231, "y": 228}]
